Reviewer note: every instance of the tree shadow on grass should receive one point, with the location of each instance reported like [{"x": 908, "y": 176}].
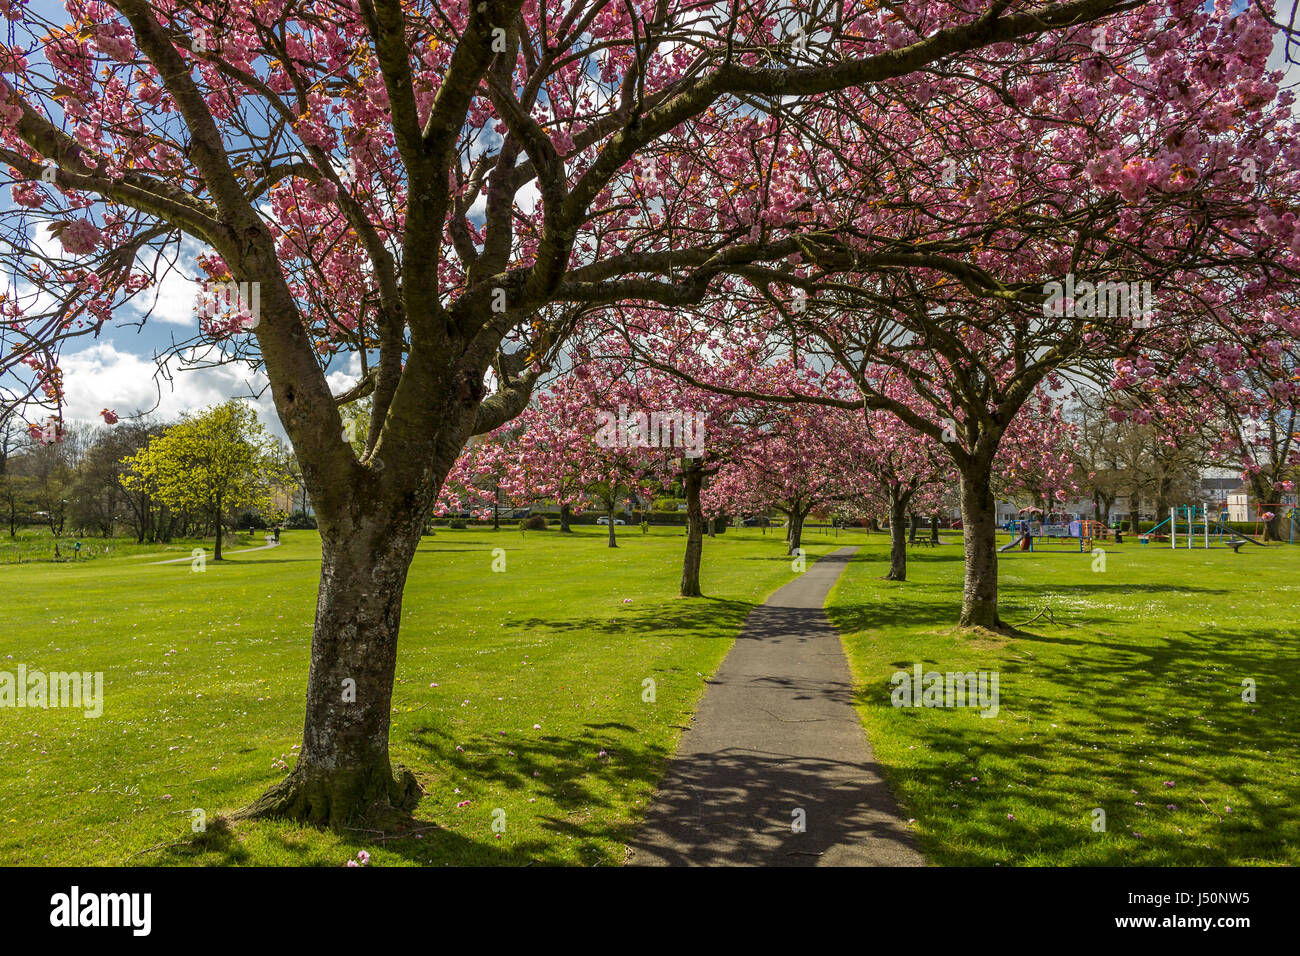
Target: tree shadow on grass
[
  {"x": 575, "y": 782},
  {"x": 218, "y": 838},
  {"x": 1172, "y": 708}
]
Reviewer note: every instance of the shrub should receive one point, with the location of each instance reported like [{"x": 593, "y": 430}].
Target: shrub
[
  {"x": 534, "y": 523},
  {"x": 456, "y": 524},
  {"x": 250, "y": 522}
]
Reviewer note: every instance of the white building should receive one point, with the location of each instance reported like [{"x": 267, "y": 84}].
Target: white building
[{"x": 1239, "y": 508}]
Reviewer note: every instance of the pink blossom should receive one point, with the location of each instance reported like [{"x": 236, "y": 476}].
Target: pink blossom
[
  {"x": 28, "y": 194},
  {"x": 80, "y": 236}
]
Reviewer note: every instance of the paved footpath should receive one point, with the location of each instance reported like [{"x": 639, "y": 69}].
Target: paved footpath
[
  {"x": 776, "y": 733},
  {"x": 266, "y": 547}
]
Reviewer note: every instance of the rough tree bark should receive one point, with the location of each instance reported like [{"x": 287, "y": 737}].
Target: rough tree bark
[
  {"x": 897, "y": 536},
  {"x": 797, "y": 516},
  {"x": 343, "y": 773},
  {"x": 566, "y": 512},
  {"x": 692, "y": 482},
  {"x": 979, "y": 599}
]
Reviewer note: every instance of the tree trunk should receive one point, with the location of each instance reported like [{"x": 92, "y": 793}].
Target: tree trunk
[
  {"x": 979, "y": 600},
  {"x": 613, "y": 541},
  {"x": 897, "y": 537},
  {"x": 216, "y": 553},
  {"x": 934, "y": 528},
  {"x": 692, "y": 482},
  {"x": 566, "y": 512},
  {"x": 343, "y": 774},
  {"x": 1262, "y": 490},
  {"x": 1134, "y": 524},
  {"x": 797, "y": 516},
  {"x": 913, "y": 523}
]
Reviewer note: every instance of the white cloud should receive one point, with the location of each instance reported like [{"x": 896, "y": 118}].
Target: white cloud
[
  {"x": 343, "y": 379},
  {"x": 103, "y": 376},
  {"x": 171, "y": 298}
]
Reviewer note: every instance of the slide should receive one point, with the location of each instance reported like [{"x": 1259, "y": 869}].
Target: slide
[
  {"x": 1013, "y": 544},
  {"x": 1222, "y": 529}
]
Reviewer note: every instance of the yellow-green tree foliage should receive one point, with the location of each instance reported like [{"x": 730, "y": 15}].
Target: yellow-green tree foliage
[{"x": 210, "y": 463}]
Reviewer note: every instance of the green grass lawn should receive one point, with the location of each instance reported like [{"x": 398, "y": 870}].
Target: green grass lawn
[
  {"x": 510, "y": 686},
  {"x": 37, "y": 545},
  {"x": 1130, "y": 702}
]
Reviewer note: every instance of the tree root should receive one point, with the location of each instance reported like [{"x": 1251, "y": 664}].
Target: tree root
[{"x": 375, "y": 798}]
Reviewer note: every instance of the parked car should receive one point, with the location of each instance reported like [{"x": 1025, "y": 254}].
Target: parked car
[
  {"x": 757, "y": 521},
  {"x": 604, "y": 519}
]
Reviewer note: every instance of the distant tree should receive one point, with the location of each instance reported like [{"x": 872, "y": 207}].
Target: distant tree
[
  {"x": 1258, "y": 428},
  {"x": 1094, "y": 449},
  {"x": 208, "y": 463},
  {"x": 148, "y": 516},
  {"x": 101, "y": 500},
  {"x": 49, "y": 482},
  {"x": 13, "y": 486}
]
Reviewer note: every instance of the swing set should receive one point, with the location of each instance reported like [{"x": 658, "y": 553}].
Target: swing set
[
  {"x": 1189, "y": 516},
  {"x": 1286, "y": 511}
]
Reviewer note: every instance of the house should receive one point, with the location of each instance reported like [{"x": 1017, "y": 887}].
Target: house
[{"x": 1239, "y": 507}]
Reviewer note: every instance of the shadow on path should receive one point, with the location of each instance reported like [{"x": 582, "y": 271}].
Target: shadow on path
[{"x": 775, "y": 769}]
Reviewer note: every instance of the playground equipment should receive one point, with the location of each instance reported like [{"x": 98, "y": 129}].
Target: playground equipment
[
  {"x": 1288, "y": 512},
  {"x": 1084, "y": 531},
  {"x": 1192, "y": 515}
]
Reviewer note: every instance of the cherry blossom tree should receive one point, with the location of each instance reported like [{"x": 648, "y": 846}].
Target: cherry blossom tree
[
  {"x": 1117, "y": 200},
  {"x": 1243, "y": 409},
  {"x": 441, "y": 190},
  {"x": 909, "y": 471},
  {"x": 806, "y": 458},
  {"x": 1036, "y": 457},
  {"x": 576, "y": 442}
]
